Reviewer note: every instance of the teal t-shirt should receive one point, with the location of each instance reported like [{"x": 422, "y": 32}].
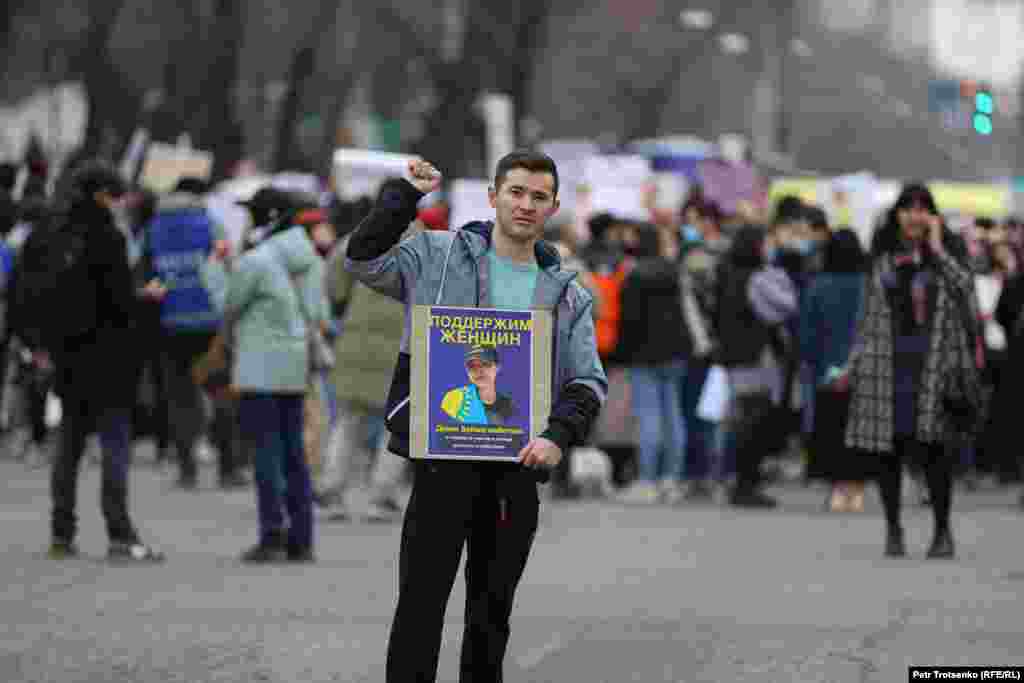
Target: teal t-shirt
[{"x": 512, "y": 283}]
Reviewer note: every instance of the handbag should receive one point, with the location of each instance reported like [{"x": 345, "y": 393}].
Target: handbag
[
  {"x": 321, "y": 355},
  {"x": 964, "y": 399},
  {"x": 715, "y": 395},
  {"x": 211, "y": 371}
]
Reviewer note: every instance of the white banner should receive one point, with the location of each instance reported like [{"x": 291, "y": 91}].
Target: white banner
[
  {"x": 469, "y": 202},
  {"x": 166, "y": 164},
  {"x": 617, "y": 185},
  {"x": 360, "y": 172}
]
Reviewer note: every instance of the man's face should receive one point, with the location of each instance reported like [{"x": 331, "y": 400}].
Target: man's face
[
  {"x": 523, "y": 204},
  {"x": 482, "y": 373}
]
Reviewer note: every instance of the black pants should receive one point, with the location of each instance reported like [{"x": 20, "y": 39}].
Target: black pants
[
  {"x": 755, "y": 424},
  {"x": 152, "y": 361},
  {"x": 937, "y": 464},
  {"x": 186, "y": 406},
  {"x": 114, "y": 427},
  {"x": 493, "y": 511}
]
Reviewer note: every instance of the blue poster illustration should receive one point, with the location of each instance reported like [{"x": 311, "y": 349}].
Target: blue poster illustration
[{"x": 480, "y": 383}]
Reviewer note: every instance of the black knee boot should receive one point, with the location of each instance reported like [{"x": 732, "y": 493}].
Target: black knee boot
[{"x": 890, "y": 484}]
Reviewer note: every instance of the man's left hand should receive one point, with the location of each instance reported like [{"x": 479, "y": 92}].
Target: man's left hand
[{"x": 540, "y": 452}]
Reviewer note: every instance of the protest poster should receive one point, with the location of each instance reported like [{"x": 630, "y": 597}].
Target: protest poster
[
  {"x": 166, "y": 164},
  {"x": 469, "y": 202},
  {"x": 360, "y": 172},
  {"x": 481, "y": 382},
  {"x": 618, "y": 184}
]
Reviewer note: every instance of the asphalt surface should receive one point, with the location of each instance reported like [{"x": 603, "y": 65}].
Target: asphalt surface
[{"x": 698, "y": 592}]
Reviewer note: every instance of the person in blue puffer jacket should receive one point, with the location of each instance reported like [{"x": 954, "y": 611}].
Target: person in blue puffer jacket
[{"x": 177, "y": 242}]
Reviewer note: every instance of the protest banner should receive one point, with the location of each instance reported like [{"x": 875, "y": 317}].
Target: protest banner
[
  {"x": 481, "y": 382},
  {"x": 469, "y": 202},
  {"x": 360, "y": 172},
  {"x": 166, "y": 164},
  {"x": 617, "y": 184}
]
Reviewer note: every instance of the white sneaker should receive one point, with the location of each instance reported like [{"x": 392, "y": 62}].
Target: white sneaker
[
  {"x": 671, "y": 491},
  {"x": 640, "y": 493}
]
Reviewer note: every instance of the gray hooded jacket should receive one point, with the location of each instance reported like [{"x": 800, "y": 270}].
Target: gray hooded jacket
[{"x": 449, "y": 268}]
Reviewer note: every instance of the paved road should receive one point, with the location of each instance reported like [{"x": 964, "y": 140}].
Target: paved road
[{"x": 612, "y": 594}]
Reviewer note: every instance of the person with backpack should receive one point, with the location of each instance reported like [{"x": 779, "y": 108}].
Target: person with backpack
[
  {"x": 76, "y": 297},
  {"x": 178, "y": 241}
]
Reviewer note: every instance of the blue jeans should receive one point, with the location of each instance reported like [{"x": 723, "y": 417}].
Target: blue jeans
[
  {"x": 272, "y": 426},
  {"x": 659, "y": 414},
  {"x": 700, "y": 434}
]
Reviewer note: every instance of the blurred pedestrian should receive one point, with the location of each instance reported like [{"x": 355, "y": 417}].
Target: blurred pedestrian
[
  {"x": 828, "y": 320},
  {"x": 655, "y": 346},
  {"x": 78, "y": 292},
  {"x": 357, "y": 452},
  {"x": 269, "y": 299},
  {"x": 755, "y": 301},
  {"x": 913, "y": 371},
  {"x": 179, "y": 240}
]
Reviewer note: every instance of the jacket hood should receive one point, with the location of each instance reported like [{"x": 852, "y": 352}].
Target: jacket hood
[
  {"x": 547, "y": 255},
  {"x": 179, "y": 201},
  {"x": 295, "y": 249}
]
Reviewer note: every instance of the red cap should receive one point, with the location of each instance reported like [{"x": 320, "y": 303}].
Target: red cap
[
  {"x": 434, "y": 217},
  {"x": 310, "y": 217}
]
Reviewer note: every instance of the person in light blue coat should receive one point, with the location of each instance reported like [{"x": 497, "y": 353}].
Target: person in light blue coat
[{"x": 269, "y": 298}]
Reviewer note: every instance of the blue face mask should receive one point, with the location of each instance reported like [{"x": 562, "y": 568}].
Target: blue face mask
[
  {"x": 690, "y": 233},
  {"x": 804, "y": 247}
]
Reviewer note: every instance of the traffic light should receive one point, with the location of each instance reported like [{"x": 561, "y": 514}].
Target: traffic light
[{"x": 984, "y": 108}]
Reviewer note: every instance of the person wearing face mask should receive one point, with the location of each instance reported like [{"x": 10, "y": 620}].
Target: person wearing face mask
[{"x": 914, "y": 371}]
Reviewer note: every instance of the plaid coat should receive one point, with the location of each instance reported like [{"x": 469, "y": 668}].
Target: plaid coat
[{"x": 950, "y": 368}]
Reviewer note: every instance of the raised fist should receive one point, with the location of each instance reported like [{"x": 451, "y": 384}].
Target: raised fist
[{"x": 423, "y": 175}]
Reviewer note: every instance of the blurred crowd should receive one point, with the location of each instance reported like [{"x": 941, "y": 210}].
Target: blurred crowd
[{"x": 199, "y": 353}]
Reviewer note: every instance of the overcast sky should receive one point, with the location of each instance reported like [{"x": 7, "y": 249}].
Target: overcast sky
[{"x": 980, "y": 38}]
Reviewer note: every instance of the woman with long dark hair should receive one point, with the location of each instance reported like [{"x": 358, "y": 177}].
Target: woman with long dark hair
[
  {"x": 828, "y": 320},
  {"x": 913, "y": 371}
]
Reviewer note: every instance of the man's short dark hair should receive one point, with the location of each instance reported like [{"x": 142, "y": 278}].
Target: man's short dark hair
[{"x": 534, "y": 162}]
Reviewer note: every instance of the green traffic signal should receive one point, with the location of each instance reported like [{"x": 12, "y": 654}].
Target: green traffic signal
[
  {"x": 983, "y": 124},
  {"x": 983, "y": 102}
]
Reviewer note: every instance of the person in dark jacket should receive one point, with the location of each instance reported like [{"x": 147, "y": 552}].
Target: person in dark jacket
[
  {"x": 95, "y": 371},
  {"x": 828, "y": 319},
  {"x": 1007, "y": 398},
  {"x": 755, "y": 301},
  {"x": 654, "y": 345}
]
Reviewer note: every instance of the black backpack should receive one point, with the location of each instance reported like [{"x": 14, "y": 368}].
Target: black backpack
[{"x": 55, "y": 286}]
